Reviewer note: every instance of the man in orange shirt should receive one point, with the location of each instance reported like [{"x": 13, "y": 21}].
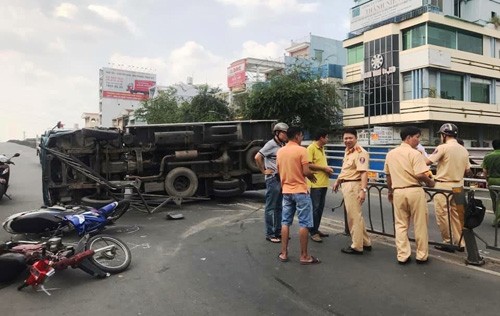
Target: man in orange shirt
[{"x": 293, "y": 167}]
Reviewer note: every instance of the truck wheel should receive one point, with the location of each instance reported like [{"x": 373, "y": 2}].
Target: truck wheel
[
  {"x": 226, "y": 184},
  {"x": 250, "y": 158},
  {"x": 100, "y": 134},
  {"x": 227, "y": 193},
  {"x": 222, "y": 129},
  {"x": 95, "y": 201},
  {"x": 181, "y": 182}
]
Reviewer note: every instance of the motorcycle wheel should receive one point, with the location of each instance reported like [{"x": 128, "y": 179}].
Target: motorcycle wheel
[
  {"x": 115, "y": 260},
  {"x": 120, "y": 209}
]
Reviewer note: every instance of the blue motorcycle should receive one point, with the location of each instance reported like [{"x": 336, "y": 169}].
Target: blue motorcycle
[{"x": 48, "y": 220}]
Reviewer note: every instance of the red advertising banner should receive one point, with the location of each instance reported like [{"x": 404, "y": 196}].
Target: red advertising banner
[
  {"x": 125, "y": 95},
  {"x": 236, "y": 74},
  {"x": 143, "y": 85},
  {"x": 125, "y": 84}
]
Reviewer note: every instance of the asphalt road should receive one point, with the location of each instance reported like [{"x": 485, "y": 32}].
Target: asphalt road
[{"x": 217, "y": 262}]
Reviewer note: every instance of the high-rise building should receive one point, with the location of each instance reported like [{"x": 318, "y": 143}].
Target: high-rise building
[
  {"x": 423, "y": 62},
  {"x": 121, "y": 91}
]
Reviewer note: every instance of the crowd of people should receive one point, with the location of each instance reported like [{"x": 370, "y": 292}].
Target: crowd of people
[{"x": 298, "y": 178}]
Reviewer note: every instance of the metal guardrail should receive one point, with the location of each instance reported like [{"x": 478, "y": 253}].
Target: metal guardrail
[{"x": 377, "y": 214}]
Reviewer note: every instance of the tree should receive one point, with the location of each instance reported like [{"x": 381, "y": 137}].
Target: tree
[
  {"x": 297, "y": 97},
  {"x": 162, "y": 109},
  {"x": 205, "y": 107}
]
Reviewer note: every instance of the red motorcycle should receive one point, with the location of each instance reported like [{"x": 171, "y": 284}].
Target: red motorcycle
[{"x": 99, "y": 255}]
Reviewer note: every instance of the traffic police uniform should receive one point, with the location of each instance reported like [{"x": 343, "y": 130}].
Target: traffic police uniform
[
  {"x": 402, "y": 164},
  {"x": 355, "y": 161},
  {"x": 452, "y": 162},
  {"x": 491, "y": 163}
]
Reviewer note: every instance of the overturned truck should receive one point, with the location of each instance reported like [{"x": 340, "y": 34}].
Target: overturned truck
[{"x": 207, "y": 159}]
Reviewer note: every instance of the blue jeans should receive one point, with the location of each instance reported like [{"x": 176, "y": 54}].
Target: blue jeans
[
  {"x": 300, "y": 202},
  {"x": 318, "y": 196},
  {"x": 272, "y": 213}
]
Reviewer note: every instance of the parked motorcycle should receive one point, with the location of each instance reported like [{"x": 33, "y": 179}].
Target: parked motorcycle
[
  {"x": 99, "y": 255},
  {"x": 5, "y": 174},
  {"x": 47, "y": 220}
]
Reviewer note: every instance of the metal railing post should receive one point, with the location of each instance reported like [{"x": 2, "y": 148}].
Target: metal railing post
[{"x": 473, "y": 256}]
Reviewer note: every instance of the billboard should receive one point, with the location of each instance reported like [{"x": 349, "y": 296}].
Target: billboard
[
  {"x": 125, "y": 84},
  {"x": 236, "y": 74},
  {"x": 376, "y": 11}
]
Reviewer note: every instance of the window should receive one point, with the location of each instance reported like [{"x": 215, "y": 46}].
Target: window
[
  {"x": 318, "y": 55},
  {"x": 469, "y": 42},
  {"x": 414, "y": 37},
  {"x": 407, "y": 86},
  {"x": 480, "y": 90},
  {"x": 452, "y": 86},
  {"x": 442, "y": 36},
  {"x": 355, "y": 54}
]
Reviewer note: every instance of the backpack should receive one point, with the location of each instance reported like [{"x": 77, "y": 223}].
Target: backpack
[{"x": 474, "y": 211}]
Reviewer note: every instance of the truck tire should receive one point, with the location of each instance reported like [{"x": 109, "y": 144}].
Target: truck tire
[
  {"x": 222, "y": 129},
  {"x": 181, "y": 182},
  {"x": 250, "y": 158},
  {"x": 220, "y": 138},
  {"x": 226, "y": 184},
  {"x": 95, "y": 201},
  {"x": 100, "y": 134},
  {"x": 227, "y": 193}
]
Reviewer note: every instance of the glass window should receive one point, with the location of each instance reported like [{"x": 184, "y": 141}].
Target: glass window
[
  {"x": 318, "y": 55},
  {"x": 442, "y": 36},
  {"x": 355, "y": 54},
  {"x": 452, "y": 86},
  {"x": 471, "y": 43},
  {"x": 407, "y": 86},
  {"x": 414, "y": 37},
  {"x": 480, "y": 90}
]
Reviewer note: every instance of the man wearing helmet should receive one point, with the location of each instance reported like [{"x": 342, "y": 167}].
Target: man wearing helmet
[
  {"x": 266, "y": 160},
  {"x": 452, "y": 165}
]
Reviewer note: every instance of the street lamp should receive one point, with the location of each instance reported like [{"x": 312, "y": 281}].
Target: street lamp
[{"x": 368, "y": 109}]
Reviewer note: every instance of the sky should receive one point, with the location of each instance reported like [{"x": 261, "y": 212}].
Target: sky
[{"x": 51, "y": 51}]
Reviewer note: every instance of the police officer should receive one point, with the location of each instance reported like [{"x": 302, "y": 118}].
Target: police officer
[
  {"x": 353, "y": 181},
  {"x": 405, "y": 169},
  {"x": 266, "y": 160},
  {"x": 491, "y": 170},
  {"x": 452, "y": 165}
]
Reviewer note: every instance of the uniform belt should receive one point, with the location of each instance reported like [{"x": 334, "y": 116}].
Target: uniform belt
[
  {"x": 444, "y": 180},
  {"x": 410, "y": 186},
  {"x": 351, "y": 180}
]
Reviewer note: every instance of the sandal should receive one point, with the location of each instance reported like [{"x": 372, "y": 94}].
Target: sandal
[
  {"x": 314, "y": 260},
  {"x": 282, "y": 259},
  {"x": 274, "y": 240}
]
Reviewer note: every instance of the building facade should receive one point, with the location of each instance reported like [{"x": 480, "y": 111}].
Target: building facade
[
  {"x": 121, "y": 90},
  {"x": 424, "y": 63},
  {"x": 323, "y": 56}
]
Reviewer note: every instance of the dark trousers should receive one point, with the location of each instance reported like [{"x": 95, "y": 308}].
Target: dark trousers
[{"x": 318, "y": 196}]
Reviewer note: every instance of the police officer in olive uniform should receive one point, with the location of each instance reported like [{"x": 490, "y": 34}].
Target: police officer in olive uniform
[
  {"x": 452, "y": 165},
  {"x": 353, "y": 181},
  {"x": 491, "y": 169},
  {"x": 406, "y": 169}
]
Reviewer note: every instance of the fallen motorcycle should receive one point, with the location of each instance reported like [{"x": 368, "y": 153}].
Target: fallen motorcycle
[
  {"x": 99, "y": 255},
  {"x": 96, "y": 255},
  {"x": 5, "y": 173},
  {"x": 82, "y": 218}
]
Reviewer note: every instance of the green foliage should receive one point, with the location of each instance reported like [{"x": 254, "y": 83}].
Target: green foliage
[
  {"x": 205, "y": 107},
  {"x": 298, "y": 98},
  {"x": 162, "y": 109}
]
